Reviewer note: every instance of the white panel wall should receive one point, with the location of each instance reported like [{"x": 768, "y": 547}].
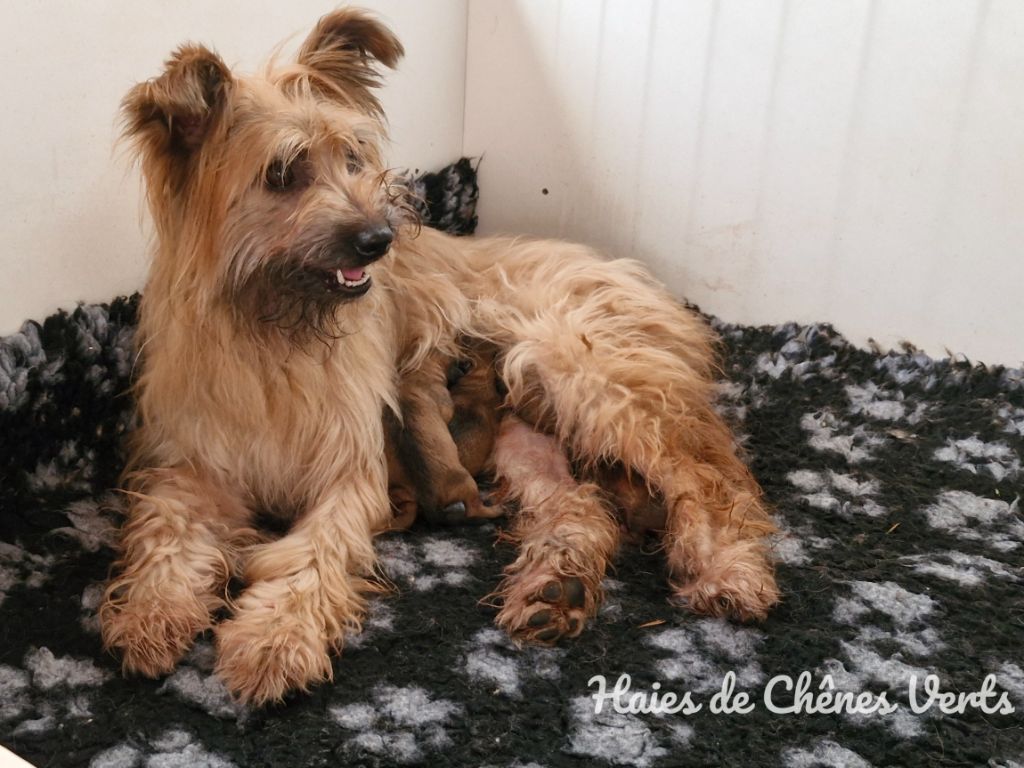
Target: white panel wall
[
  {"x": 856, "y": 161},
  {"x": 69, "y": 207}
]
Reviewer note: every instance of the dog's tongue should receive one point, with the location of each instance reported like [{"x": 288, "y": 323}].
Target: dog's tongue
[{"x": 353, "y": 273}]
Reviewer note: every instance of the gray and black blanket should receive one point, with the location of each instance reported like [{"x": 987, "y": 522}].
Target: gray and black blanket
[{"x": 896, "y": 479}]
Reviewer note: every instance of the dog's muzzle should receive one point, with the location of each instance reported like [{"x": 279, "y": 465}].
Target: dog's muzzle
[{"x": 367, "y": 246}]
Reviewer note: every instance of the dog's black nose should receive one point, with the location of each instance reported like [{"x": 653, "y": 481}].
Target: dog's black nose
[{"x": 373, "y": 242}]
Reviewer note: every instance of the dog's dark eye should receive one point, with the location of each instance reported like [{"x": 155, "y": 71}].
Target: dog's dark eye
[
  {"x": 353, "y": 162},
  {"x": 280, "y": 175}
]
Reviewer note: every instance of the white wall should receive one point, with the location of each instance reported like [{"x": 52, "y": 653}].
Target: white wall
[
  {"x": 855, "y": 161},
  {"x": 69, "y": 206}
]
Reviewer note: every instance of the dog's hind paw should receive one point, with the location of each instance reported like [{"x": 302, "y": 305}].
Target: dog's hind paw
[
  {"x": 557, "y": 610},
  {"x": 739, "y": 583}
]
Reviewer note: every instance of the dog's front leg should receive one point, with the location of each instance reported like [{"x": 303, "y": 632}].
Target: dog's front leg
[
  {"x": 305, "y": 594},
  {"x": 179, "y": 545}
]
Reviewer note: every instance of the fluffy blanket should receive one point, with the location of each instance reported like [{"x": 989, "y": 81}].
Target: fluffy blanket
[{"x": 896, "y": 480}]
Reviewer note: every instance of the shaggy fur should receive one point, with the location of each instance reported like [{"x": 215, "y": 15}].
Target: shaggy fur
[{"x": 267, "y": 360}]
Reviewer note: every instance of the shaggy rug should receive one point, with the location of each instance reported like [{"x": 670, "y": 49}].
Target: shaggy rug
[{"x": 896, "y": 480}]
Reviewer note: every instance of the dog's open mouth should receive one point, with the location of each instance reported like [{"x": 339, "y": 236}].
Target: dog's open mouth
[{"x": 350, "y": 281}]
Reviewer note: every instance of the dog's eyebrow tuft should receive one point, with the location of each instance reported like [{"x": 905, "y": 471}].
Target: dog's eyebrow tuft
[{"x": 286, "y": 150}]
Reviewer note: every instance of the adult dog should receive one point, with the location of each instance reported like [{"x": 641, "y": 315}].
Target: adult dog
[{"x": 290, "y": 290}]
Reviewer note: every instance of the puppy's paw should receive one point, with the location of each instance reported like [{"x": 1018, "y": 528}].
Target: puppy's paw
[
  {"x": 262, "y": 656},
  {"x": 455, "y": 499},
  {"x": 558, "y": 609},
  {"x": 152, "y": 635},
  {"x": 459, "y": 502}
]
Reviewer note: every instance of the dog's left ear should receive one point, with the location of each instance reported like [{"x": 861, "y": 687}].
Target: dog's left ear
[{"x": 342, "y": 51}]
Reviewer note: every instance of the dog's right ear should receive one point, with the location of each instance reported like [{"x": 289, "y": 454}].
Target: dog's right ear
[{"x": 173, "y": 114}]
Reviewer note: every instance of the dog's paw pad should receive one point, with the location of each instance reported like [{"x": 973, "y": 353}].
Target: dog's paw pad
[
  {"x": 540, "y": 619},
  {"x": 575, "y": 593},
  {"x": 552, "y": 592},
  {"x": 556, "y": 611},
  {"x": 549, "y": 635}
]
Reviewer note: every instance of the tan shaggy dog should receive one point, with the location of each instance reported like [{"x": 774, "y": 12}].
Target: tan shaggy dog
[{"x": 289, "y": 292}]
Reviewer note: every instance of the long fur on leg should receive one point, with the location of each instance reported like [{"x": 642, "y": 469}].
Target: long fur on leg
[
  {"x": 178, "y": 548},
  {"x": 305, "y": 594},
  {"x": 621, "y": 373},
  {"x": 566, "y": 539}
]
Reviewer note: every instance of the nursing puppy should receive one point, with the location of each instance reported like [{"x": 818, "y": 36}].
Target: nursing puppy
[
  {"x": 444, "y": 439},
  {"x": 290, "y": 290}
]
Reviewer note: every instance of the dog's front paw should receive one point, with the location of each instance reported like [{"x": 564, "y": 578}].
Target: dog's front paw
[
  {"x": 151, "y": 635},
  {"x": 262, "y": 656},
  {"x": 544, "y": 616}
]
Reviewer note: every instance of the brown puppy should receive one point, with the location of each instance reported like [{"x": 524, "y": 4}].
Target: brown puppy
[
  {"x": 290, "y": 292},
  {"x": 444, "y": 440},
  {"x": 423, "y": 474}
]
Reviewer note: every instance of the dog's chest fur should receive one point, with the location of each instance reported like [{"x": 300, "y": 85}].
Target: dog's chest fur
[{"x": 270, "y": 420}]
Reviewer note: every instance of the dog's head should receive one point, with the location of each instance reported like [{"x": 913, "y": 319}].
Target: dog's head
[{"x": 268, "y": 191}]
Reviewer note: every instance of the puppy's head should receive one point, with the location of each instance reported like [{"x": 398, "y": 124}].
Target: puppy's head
[{"x": 269, "y": 192}]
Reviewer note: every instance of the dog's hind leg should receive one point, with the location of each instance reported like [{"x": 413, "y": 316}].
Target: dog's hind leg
[
  {"x": 622, "y": 373},
  {"x": 305, "y": 594},
  {"x": 565, "y": 534},
  {"x": 717, "y": 529},
  {"x": 178, "y": 550}
]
